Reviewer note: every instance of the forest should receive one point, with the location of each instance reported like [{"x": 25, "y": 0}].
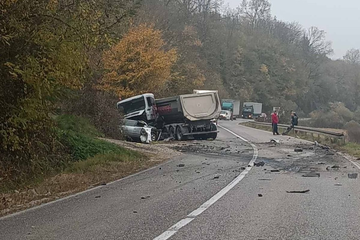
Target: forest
[{"x": 79, "y": 57}]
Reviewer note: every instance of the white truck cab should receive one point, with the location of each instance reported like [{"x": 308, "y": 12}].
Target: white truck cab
[{"x": 140, "y": 107}]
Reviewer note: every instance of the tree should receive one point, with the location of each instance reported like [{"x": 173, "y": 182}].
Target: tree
[
  {"x": 137, "y": 63},
  {"x": 352, "y": 56}
]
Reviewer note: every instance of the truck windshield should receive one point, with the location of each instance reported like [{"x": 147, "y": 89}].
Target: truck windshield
[
  {"x": 133, "y": 105},
  {"x": 247, "y": 109}
]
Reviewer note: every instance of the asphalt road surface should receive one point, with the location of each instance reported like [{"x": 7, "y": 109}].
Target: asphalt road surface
[{"x": 213, "y": 191}]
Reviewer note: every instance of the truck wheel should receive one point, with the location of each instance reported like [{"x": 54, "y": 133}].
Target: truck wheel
[
  {"x": 154, "y": 135},
  {"x": 171, "y": 132},
  {"x": 179, "y": 134}
]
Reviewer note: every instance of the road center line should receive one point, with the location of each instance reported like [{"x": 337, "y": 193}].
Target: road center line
[{"x": 182, "y": 223}]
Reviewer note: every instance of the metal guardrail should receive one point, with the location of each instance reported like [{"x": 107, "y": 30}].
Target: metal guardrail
[
  {"x": 330, "y": 134},
  {"x": 309, "y": 129},
  {"x": 315, "y": 130}
]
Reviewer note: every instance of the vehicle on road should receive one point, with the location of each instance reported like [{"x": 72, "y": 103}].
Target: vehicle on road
[
  {"x": 232, "y": 105},
  {"x": 225, "y": 115},
  {"x": 251, "y": 110},
  {"x": 179, "y": 117},
  {"x": 139, "y": 131}
]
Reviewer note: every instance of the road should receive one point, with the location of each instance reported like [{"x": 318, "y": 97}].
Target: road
[{"x": 242, "y": 201}]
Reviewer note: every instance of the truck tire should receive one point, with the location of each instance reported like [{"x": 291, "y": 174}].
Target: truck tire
[
  {"x": 213, "y": 127},
  {"x": 179, "y": 134},
  {"x": 171, "y": 132}
]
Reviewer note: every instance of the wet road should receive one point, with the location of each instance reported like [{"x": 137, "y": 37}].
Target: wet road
[{"x": 255, "y": 206}]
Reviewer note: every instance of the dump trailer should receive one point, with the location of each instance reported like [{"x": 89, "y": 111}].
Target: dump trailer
[{"x": 189, "y": 115}]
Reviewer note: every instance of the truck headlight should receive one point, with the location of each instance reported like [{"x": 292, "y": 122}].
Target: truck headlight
[{"x": 143, "y": 135}]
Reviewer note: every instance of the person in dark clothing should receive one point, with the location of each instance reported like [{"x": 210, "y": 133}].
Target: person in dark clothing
[
  {"x": 294, "y": 122},
  {"x": 275, "y": 121}
]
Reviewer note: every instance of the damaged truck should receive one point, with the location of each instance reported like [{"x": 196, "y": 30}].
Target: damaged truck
[{"x": 188, "y": 116}]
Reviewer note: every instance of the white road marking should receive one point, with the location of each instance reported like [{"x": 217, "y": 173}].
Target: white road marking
[
  {"x": 182, "y": 223},
  {"x": 349, "y": 159}
]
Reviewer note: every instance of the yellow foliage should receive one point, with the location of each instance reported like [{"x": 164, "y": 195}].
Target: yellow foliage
[{"x": 138, "y": 63}]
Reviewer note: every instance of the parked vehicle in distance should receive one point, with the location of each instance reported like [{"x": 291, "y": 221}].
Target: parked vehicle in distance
[
  {"x": 225, "y": 115},
  {"x": 231, "y": 105},
  {"x": 136, "y": 130},
  {"x": 251, "y": 110}
]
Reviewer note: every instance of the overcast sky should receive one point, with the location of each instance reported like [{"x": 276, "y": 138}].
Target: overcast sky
[{"x": 339, "y": 18}]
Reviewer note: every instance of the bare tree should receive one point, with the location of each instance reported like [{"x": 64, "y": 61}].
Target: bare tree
[{"x": 352, "y": 56}]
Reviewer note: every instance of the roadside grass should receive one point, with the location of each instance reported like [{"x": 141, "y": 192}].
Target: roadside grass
[
  {"x": 350, "y": 148},
  {"x": 90, "y": 162}
]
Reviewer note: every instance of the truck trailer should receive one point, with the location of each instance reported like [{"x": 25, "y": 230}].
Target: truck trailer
[
  {"x": 179, "y": 116},
  {"x": 251, "y": 110}
]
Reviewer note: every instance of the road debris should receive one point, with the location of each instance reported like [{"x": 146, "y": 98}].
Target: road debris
[
  {"x": 135, "y": 212},
  {"x": 304, "y": 191},
  {"x": 338, "y": 184},
  {"x": 311, "y": 174},
  {"x": 181, "y": 165},
  {"x": 145, "y": 197},
  {"x": 298, "y": 150},
  {"x": 352, "y": 175},
  {"x": 276, "y": 141},
  {"x": 98, "y": 196},
  {"x": 260, "y": 195},
  {"x": 264, "y": 179},
  {"x": 259, "y": 164},
  {"x": 216, "y": 177},
  {"x": 274, "y": 170}
]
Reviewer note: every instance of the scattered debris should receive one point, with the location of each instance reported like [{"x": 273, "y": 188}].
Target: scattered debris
[
  {"x": 330, "y": 153},
  {"x": 335, "y": 166},
  {"x": 145, "y": 197},
  {"x": 321, "y": 163},
  {"x": 216, "y": 177},
  {"x": 197, "y": 171},
  {"x": 243, "y": 168},
  {"x": 264, "y": 179},
  {"x": 134, "y": 211},
  {"x": 159, "y": 168},
  {"x": 276, "y": 141},
  {"x": 311, "y": 174},
  {"x": 98, "y": 196},
  {"x": 304, "y": 191},
  {"x": 274, "y": 170},
  {"x": 352, "y": 175},
  {"x": 181, "y": 165},
  {"x": 260, "y": 195},
  {"x": 338, "y": 184},
  {"x": 259, "y": 164},
  {"x": 169, "y": 139},
  {"x": 298, "y": 150}
]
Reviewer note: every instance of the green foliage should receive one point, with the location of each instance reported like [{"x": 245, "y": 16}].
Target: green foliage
[
  {"x": 353, "y": 131},
  {"x": 78, "y": 135}
]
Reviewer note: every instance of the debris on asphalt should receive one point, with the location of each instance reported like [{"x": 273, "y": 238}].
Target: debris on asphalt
[
  {"x": 145, "y": 197},
  {"x": 260, "y": 195},
  {"x": 335, "y": 167},
  {"x": 311, "y": 174},
  {"x": 304, "y": 191},
  {"x": 181, "y": 165},
  {"x": 169, "y": 139},
  {"x": 259, "y": 164},
  {"x": 338, "y": 184},
  {"x": 216, "y": 177},
  {"x": 243, "y": 168},
  {"x": 264, "y": 179},
  {"x": 298, "y": 150},
  {"x": 321, "y": 163},
  {"x": 352, "y": 175},
  {"x": 134, "y": 211},
  {"x": 276, "y": 141},
  {"x": 274, "y": 170},
  {"x": 98, "y": 196}
]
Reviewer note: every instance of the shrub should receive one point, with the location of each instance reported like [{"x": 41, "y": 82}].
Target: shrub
[
  {"x": 329, "y": 119},
  {"x": 353, "y": 131}
]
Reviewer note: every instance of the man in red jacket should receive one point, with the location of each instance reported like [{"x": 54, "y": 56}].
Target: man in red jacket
[{"x": 275, "y": 121}]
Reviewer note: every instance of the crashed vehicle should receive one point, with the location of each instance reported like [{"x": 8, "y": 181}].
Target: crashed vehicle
[
  {"x": 179, "y": 117},
  {"x": 225, "y": 115},
  {"x": 139, "y": 131}
]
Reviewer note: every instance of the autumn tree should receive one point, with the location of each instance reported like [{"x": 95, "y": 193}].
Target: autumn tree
[{"x": 138, "y": 63}]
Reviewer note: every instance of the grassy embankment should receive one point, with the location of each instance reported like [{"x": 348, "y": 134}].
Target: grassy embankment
[{"x": 89, "y": 162}]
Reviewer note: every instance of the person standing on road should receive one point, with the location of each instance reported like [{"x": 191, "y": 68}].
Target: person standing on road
[{"x": 275, "y": 121}]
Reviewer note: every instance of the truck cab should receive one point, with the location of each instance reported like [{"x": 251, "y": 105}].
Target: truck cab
[
  {"x": 140, "y": 107},
  {"x": 248, "y": 112}
]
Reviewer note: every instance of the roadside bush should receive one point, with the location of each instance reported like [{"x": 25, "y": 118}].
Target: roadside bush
[
  {"x": 79, "y": 136},
  {"x": 353, "y": 131},
  {"x": 342, "y": 111},
  {"x": 329, "y": 119}
]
